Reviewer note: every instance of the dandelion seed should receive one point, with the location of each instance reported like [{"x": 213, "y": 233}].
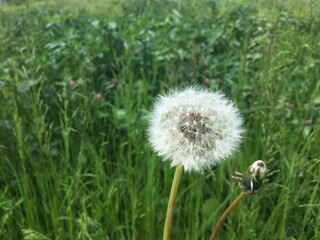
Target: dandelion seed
[{"x": 195, "y": 128}]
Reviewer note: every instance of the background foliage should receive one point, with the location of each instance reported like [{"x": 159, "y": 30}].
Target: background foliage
[{"x": 75, "y": 90}]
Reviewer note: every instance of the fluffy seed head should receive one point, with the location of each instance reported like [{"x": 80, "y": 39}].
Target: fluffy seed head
[{"x": 195, "y": 128}]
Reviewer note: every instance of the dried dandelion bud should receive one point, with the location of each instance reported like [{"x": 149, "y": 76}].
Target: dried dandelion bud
[
  {"x": 258, "y": 169},
  {"x": 251, "y": 182}
]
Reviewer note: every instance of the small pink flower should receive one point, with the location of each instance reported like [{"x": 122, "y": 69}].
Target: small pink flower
[
  {"x": 206, "y": 81},
  {"x": 308, "y": 121},
  {"x": 73, "y": 83},
  {"x": 98, "y": 96}
]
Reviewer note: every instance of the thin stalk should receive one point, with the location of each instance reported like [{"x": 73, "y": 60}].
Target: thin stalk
[
  {"x": 172, "y": 199},
  {"x": 225, "y": 214}
]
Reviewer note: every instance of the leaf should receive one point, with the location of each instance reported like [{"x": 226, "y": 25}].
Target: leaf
[
  {"x": 208, "y": 207},
  {"x": 95, "y": 23}
]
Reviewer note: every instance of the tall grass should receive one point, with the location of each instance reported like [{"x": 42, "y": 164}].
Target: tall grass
[{"x": 76, "y": 166}]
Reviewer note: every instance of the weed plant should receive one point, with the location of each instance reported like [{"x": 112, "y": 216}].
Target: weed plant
[{"x": 74, "y": 159}]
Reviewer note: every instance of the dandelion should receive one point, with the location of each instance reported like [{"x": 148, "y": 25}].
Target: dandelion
[
  {"x": 249, "y": 183},
  {"x": 194, "y": 128}
]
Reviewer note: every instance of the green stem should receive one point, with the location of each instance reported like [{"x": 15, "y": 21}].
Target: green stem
[
  {"x": 225, "y": 214},
  {"x": 172, "y": 199}
]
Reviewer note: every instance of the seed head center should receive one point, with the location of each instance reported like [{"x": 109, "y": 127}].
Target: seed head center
[{"x": 193, "y": 126}]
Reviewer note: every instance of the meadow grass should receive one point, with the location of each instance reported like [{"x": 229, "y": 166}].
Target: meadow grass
[{"x": 76, "y": 166}]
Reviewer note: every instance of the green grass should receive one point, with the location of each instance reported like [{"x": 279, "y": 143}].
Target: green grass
[{"x": 76, "y": 167}]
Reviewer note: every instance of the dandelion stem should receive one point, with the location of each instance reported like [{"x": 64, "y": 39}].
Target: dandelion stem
[
  {"x": 225, "y": 214},
  {"x": 172, "y": 199}
]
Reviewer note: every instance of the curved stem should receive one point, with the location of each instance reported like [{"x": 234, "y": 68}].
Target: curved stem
[
  {"x": 172, "y": 199},
  {"x": 225, "y": 214}
]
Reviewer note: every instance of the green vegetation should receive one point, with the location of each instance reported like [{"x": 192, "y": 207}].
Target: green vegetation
[{"x": 74, "y": 159}]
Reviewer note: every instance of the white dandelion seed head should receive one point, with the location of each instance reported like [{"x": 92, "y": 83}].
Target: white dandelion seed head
[{"x": 195, "y": 128}]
